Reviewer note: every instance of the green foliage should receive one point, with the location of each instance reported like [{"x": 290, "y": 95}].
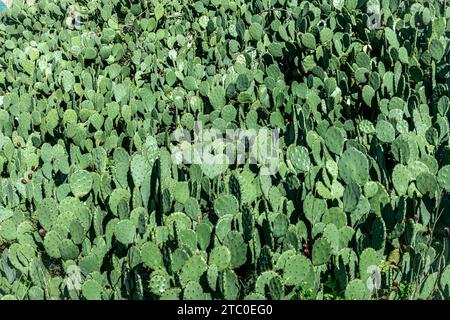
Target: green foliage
[{"x": 93, "y": 204}]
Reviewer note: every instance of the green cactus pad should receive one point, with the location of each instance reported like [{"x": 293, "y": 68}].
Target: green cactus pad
[
  {"x": 223, "y": 227},
  {"x": 159, "y": 282},
  {"x": 36, "y": 293},
  {"x": 221, "y": 257},
  {"x": 238, "y": 248},
  {"x": 444, "y": 282},
  {"x": 125, "y": 231},
  {"x": 77, "y": 232},
  {"x": 248, "y": 224},
  {"x": 354, "y": 167},
  {"x": 90, "y": 263},
  {"x": 428, "y": 286},
  {"x": 276, "y": 288},
  {"x": 370, "y": 189},
  {"x": 263, "y": 281},
  {"x": 298, "y": 158},
  {"x": 193, "y": 269},
  {"x": 297, "y": 270},
  {"x": 181, "y": 192},
  {"x": 47, "y": 213},
  {"x": 378, "y": 234},
  {"x": 367, "y": 94},
  {"x": 229, "y": 285},
  {"x": 179, "y": 220},
  {"x": 426, "y": 183},
  {"x": 280, "y": 225},
  {"x": 226, "y": 204},
  {"x": 368, "y": 261},
  {"x": 91, "y": 290},
  {"x": 51, "y": 244},
  {"x": 356, "y": 290},
  {"x": 401, "y": 178},
  {"x": 116, "y": 196},
  {"x": 68, "y": 250},
  {"x": 187, "y": 239},
  {"x": 385, "y": 131},
  {"x": 443, "y": 177},
  {"x": 332, "y": 234},
  {"x": 282, "y": 259},
  {"x": 436, "y": 49},
  {"x": 151, "y": 255},
  {"x": 171, "y": 294},
  {"x": 345, "y": 236},
  {"x": 203, "y": 231},
  {"x": 352, "y": 194},
  {"x": 80, "y": 183},
  {"x": 334, "y": 140},
  {"x": 178, "y": 259},
  {"x": 213, "y": 166},
  {"x": 8, "y": 230},
  {"x": 336, "y": 216},
  {"x": 139, "y": 169},
  {"x": 212, "y": 276},
  {"x": 314, "y": 208},
  {"x": 321, "y": 252},
  {"x": 192, "y": 208},
  {"x": 243, "y": 187},
  {"x": 193, "y": 291}
]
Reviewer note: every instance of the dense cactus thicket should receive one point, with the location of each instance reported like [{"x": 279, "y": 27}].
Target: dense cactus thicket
[{"x": 94, "y": 204}]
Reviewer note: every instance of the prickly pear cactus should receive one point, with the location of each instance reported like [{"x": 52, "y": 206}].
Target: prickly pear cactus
[
  {"x": 80, "y": 183},
  {"x": 220, "y": 257},
  {"x": 224, "y": 150},
  {"x": 353, "y": 166},
  {"x": 298, "y": 158}
]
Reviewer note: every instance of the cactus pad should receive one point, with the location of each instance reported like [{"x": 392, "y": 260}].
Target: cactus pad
[
  {"x": 221, "y": 257},
  {"x": 91, "y": 290},
  {"x": 443, "y": 177},
  {"x": 125, "y": 231},
  {"x": 139, "y": 169},
  {"x": 298, "y": 158},
  {"x": 367, "y": 262},
  {"x": 334, "y": 140},
  {"x": 444, "y": 282},
  {"x": 314, "y": 208},
  {"x": 354, "y": 167},
  {"x": 352, "y": 193},
  {"x": 297, "y": 270},
  {"x": 238, "y": 248},
  {"x": 47, "y": 213},
  {"x": 80, "y": 183},
  {"x": 385, "y": 131},
  {"x": 321, "y": 252},
  {"x": 356, "y": 290},
  {"x": 226, "y": 204},
  {"x": 193, "y": 269},
  {"x": 51, "y": 244},
  {"x": 151, "y": 255},
  {"x": 159, "y": 282},
  {"x": 426, "y": 183}
]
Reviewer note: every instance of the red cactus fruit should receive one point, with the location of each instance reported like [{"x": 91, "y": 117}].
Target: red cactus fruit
[{"x": 42, "y": 232}]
